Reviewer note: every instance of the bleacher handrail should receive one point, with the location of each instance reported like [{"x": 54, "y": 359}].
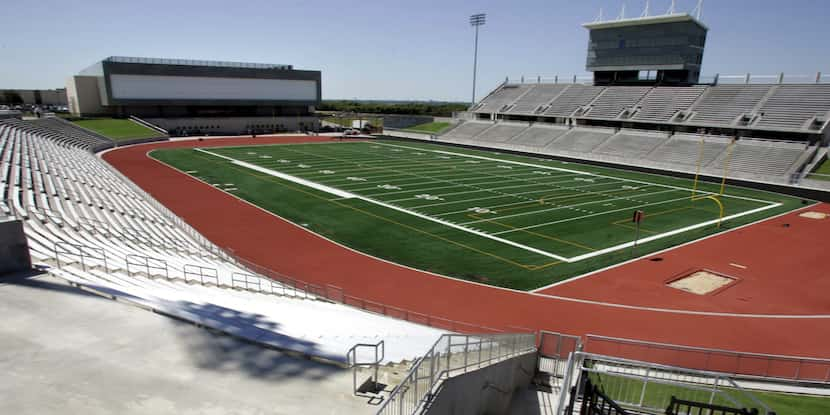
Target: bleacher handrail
[
  {"x": 81, "y": 251},
  {"x": 715, "y": 360},
  {"x": 202, "y": 272},
  {"x": 643, "y": 373},
  {"x": 710, "y": 79},
  {"x": 444, "y": 360},
  {"x": 148, "y": 264}
]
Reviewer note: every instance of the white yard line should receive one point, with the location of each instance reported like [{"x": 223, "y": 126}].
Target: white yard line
[
  {"x": 518, "y": 203},
  {"x": 576, "y": 205},
  {"x": 489, "y": 189},
  {"x": 497, "y": 196},
  {"x": 288, "y": 177},
  {"x": 494, "y": 236},
  {"x": 628, "y": 208},
  {"x": 574, "y": 171},
  {"x": 670, "y": 233},
  {"x": 342, "y": 194}
]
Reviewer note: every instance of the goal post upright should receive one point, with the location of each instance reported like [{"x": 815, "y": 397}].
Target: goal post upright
[
  {"x": 729, "y": 150},
  {"x": 699, "y": 164},
  {"x": 714, "y": 197}
]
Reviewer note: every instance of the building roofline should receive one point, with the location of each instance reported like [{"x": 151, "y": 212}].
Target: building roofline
[
  {"x": 196, "y": 62},
  {"x": 638, "y": 21}
]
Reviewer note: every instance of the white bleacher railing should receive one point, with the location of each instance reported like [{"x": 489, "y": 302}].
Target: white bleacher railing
[
  {"x": 745, "y": 78},
  {"x": 452, "y": 355},
  {"x": 733, "y": 363}
]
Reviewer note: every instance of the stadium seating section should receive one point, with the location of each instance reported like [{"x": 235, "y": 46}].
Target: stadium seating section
[
  {"x": 558, "y": 120},
  {"x": 64, "y": 132},
  {"x": 96, "y": 229},
  {"x": 750, "y": 158},
  {"x": 795, "y": 107}
]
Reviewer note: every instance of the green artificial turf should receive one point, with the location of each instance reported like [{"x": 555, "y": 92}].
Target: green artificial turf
[
  {"x": 657, "y": 395},
  {"x": 544, "y": 211},
  {"x": 821, "y": 172},
  {"x": 428, "y": 128},
  {"x": 118, "y": 129}
]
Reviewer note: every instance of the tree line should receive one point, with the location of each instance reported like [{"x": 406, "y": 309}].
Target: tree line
[{"x": 435, "y": 109}]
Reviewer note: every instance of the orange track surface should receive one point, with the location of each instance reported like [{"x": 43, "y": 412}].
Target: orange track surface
[{"x": 264, "y": 239}]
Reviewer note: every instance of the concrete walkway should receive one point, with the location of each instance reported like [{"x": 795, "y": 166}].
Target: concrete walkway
[{"x": 63, "y": 350}]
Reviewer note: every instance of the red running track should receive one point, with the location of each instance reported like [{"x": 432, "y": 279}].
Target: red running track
[
  {"x": 780, "y": 266},
  {"x": 264, "y": 239}
]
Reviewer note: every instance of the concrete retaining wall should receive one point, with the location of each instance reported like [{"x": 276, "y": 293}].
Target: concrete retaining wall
[
  {"x": 487, "y": 391},
  {"x": 14, "y": 249}
]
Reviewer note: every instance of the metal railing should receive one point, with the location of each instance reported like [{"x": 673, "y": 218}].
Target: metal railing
[
  {"x": 338, "y": 295},
  {"x": 205, "y": 275},
  {"x": 649, "y": 387},
  {"x": 729, "y": 362},
  {"x": 86, "y": 255},
  {"x": 683, "y": 407},
  {"x": 146, "y": 264},
  {"x": 714, "y": 79},
  {"x": 452, "y": 355},
  {"x": 554, "y": 351},
  {"x": 356, "y": 360},
  {"x": 246, "y": 281}
]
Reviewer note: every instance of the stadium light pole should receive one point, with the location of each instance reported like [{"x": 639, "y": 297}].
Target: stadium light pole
[{"x": 476, "y": 20}]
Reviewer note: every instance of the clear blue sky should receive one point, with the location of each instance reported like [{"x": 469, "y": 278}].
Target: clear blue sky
[{"x": 387, "y": 49}]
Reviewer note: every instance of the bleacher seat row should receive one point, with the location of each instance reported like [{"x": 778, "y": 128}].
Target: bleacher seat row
[
  {"x": 786, "y": 107},
  {"x": 768, "y": 160},
  {"x": 64, "y": 132},
  {"x": 87, "y": 224}
]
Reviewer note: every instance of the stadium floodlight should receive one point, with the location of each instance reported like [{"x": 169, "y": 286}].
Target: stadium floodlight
[{"x": 476, "y": 20}]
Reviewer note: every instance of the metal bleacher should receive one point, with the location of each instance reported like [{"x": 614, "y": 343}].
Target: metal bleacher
[
  {"x": 661, "y": 126},
  {"x": 571, "y": 99},
  {"x": 539, "y": 135},
  {"x": 632, "y": 143},
  {"x": 662, "y": 103},
  {"x": 468, "y": 129},
  {"x": 87, "y": 224},
  {"x": 535, "y": 100},
  {"x": 686, "y": 149},
  {"x": 502, "y": 132},
  {"x": 721, "y": 105},
  {"x": 581, "y": 139},
  {"x": 501, "y": 99},
  {"x": 613, "y": 100},
  {"x": 793, "y": 107},
  {"x": 764, "y": 157}
]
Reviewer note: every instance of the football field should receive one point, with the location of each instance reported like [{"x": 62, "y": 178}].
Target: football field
[{"x": 545, "y": 217}]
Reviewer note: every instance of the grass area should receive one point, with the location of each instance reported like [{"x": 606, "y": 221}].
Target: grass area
[
  {"x": 627, "y": 390},
  {"x": 503, "y": 220},
  {"x": 118, "y": 129},
  {"x": 429, "y": 128},
  {"x": 822, "y": 171}
]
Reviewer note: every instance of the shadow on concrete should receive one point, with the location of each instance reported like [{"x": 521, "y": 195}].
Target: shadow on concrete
[
  {"x": 41, "y": 280},
  {"x": 223, "y": 353},
  {"x": 208, "y": 348}
]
